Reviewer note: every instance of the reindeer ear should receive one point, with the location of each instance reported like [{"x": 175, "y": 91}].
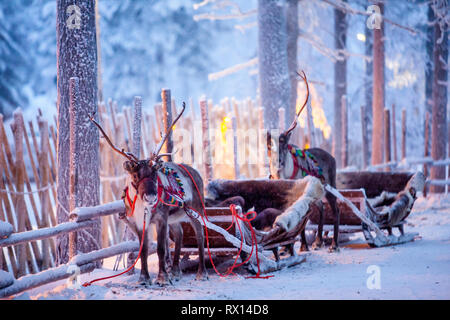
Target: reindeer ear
[
  {"x": 129, "y": 166},
  {"x": 150, "y": 163}
]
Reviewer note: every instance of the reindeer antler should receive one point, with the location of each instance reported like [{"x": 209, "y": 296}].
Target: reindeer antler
[
  {"x": 127, "y": 155},
  {"x": 294, "y": 123},
  {"x": 158, "y": 148}
]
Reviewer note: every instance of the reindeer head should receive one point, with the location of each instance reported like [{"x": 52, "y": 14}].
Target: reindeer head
[
  {"x": 143, "y": 173},
  {"x": 278, "y": 148}
]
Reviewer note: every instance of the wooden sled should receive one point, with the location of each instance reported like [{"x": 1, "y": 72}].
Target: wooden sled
[
  {"x": 388, "y": 207},
  {"x": 286, "y": 230}
]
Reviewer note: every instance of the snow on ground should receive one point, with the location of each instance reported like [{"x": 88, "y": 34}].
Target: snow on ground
[{"x": 415, "y": 270}]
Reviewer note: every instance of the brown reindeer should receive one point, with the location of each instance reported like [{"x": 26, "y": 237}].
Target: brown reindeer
[
  {"x": 294, "y": 163},
  {"x": 162, "y": 193}
]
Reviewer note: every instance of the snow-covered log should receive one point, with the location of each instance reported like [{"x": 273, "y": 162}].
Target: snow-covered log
[
  {"x": 35, "y": 280},
  {"x": 86, "y": 213},
  {"x": 6, "y": 279},
  {"x": 5, "y": 229},
  {"x": 33, "y": 235}
]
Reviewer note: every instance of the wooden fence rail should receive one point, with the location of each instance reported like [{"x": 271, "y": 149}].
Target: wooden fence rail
[{"x": 81, "y": 218}]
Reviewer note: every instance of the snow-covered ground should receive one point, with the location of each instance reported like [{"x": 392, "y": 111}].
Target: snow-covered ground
[{"x": 415, "y": 270}]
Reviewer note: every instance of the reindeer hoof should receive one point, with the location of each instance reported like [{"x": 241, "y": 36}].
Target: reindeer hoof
[
  {"x": 145, "y": 280},
  {"x": 163, "y": 279},
  {"x": 333, "y": 248},
  {"x": 304, "y": 248},
  {"x": 202, "y": 276},
  {"x": 317, "y": 245},
  {"x": 176, "y": 274}
]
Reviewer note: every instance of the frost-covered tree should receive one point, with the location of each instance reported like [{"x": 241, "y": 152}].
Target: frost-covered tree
[
  {"x": 340, "y": 80},
  {"x": 147, "y": 45},
  {"x": 439, "y": 131},
  {"x": 13, "y": 57},
  {"x": 273, "y": 68},
  {"x": 77, "y": 57}
]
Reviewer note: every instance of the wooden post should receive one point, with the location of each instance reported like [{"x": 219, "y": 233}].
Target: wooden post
[
  {"x": 426, "y": 149},
  {"x": 344, "y": 134},
  {"x": 394, "y": 133},
  {"x": 137, "y": 120},
  {"x": 167, "y": 121},
  {"x": 19, "y": 199},
  {"x": 364, "y": 135},
  {"x": 387, "y": 138},
  {"x": 403, "y": 133},
  {"x": 44, "y": 196},
  {"x": 84, "y": 178},
  {"x": 309, "y": 124},
  {"x": 235, "y": 149},
  {"x": 207, "y": 168}
]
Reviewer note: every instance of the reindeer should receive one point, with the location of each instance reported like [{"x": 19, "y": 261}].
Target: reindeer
[
  {"x": 162, "y": 193},
  {"x": 294, "y": 163}
]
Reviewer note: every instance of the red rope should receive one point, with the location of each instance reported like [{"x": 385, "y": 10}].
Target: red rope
[
  {"x": 234, "y": 220},
  {"x": 86, "y": 284}
]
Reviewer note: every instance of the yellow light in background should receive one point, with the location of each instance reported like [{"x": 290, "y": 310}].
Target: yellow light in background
[
  {"x": 224, "y": 128},
  {"x": 361, "y": 37}
]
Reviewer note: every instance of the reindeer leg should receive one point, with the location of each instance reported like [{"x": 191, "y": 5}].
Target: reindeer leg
[
  {"x": 144, "y": 277},
  {"x": 319, "y": 240},
  {"x": 176, "y": 232},
  {"x": 161, "y": 228},
  {"x": 202, "y": 274},
  {"x": 304, "y": 246},
  {"x": 333, "y": 203}
]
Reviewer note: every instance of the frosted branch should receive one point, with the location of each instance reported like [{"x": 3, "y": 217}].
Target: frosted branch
[
  {"x": 231, "y": 70},
  {"x": 345, "y": 7}
]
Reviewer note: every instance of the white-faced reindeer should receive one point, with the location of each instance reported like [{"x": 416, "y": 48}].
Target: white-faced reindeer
[
  {"x": 162, "y": 193},
  {"x": 291, "y": 162}
]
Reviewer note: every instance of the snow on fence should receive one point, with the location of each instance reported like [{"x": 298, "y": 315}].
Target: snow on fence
[{"x": 80, "y": 218}]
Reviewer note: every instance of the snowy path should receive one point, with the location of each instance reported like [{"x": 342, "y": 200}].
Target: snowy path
[{"x": 416, "y": 270}]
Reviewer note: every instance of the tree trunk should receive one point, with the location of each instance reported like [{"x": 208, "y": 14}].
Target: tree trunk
[
  {"x": 378, "y": 92},
  {"x": 368, "y": 88},
  {"x": 77, "y": 57},
  {"x": 340, "y": 82},
  {"x": 273, "y": 67},
  {"x": 429, "y": 66},
  {"x": 439, "y": 112},
  {"x": 292, "y": 37}
]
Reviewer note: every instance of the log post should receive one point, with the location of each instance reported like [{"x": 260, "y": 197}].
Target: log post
[
  {"x": 309, "y": 124},
  {"x": 426, "y": 149},
  {"x": 237, "y": 173},
  {"x": 84, "y": 178},
  {"x": 137, "y": 120},
  {"x": 44, "y": 195},
  {"x": 403, "y": 134},
  {"x": 387, "y": 138},
  {"x": 19, "y": 199},
  {"x": 206, "y": 159},
  {"x": 344, "y": 134},
  {"x": 167, "y": 121},
  {"x": 394, "y": 133},
  {"x": 365, "y": 140}
]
